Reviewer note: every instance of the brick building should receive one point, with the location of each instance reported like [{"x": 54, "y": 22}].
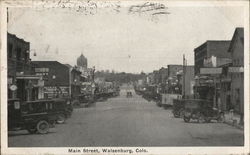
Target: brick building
[
  {"x": 174, "y": 80},
  {"x": 236, "y": 71},
  {"x": 22, "y": 82},
  {"x": 208, "y": 51},
  {"x": 188, "y": 82},
  {"x": 60, "y": 80},
  {"x": 163, "y": 73}
]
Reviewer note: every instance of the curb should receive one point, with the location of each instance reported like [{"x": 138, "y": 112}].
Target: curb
[{"x": 231, "y": 123}]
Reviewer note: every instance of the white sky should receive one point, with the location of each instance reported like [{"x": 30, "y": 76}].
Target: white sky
[{"x": 108, "y": 39}]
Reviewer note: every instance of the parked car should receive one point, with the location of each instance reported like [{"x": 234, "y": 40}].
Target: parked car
[
  {"x": 64, "y": 108},
  {"x": 178, "y": 107},
  {"x": 202, "y": 111},
  {"x": 85, "y": 99},
  {"x": 33, "y": 116}
]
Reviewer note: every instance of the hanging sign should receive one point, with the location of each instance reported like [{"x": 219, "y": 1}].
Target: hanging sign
[
  {"x": 210, "y": 70},
  {"x": 236, "y": 69},
  {"x": 13, "y": 87}
]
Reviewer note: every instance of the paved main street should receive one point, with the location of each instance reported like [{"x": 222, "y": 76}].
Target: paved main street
[{"x": 122, "y": 121}]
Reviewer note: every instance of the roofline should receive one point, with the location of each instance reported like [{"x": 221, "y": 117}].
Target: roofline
[
  {"x": 207, "y": 41},
  {"x": 21, "y": 39},
  {"x": 233, "y": 38}
]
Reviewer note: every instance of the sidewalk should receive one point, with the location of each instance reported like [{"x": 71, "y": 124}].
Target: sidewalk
[{"x": 233, "y": 120}]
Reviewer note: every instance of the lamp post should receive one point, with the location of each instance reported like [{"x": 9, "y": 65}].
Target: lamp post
[{"x": 55, "y": 90}]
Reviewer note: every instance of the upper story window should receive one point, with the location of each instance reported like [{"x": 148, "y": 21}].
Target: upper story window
[
  {"x": 18, "y": 54},
  {"x": 10, "y": 48},
  {"x": 26, "y": 56}
]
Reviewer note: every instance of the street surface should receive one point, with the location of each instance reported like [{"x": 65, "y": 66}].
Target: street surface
[{"x": 122, "y": 121}]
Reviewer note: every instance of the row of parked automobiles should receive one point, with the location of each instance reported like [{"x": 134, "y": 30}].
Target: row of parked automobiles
[
  {"x": 196, "y": 109},
  {"x": 38, "y": 116},
  {"x": 199, "y": 110}
]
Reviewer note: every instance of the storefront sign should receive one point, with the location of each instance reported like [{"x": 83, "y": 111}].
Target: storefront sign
[
  {"x": 17, "y": 105},
  {"x": 41, "y": 70},
  {"x": 53, "y": 89},
  {"x": 13, "y": 87},
  {"x": 210, "y": 70},
  {"x": 236, "y": 69}
]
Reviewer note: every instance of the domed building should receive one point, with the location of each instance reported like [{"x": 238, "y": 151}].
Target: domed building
[{"x": 82, "y": 62}]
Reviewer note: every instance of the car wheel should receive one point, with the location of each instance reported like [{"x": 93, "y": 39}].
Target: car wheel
[
  {"x": 176, "y": 115},
  {"x": 32, "y": 130},
  {"x": 186, "y": 119},
  {"x": 201, "y": 118},
  {"x": 42, "y": 127},
  {"x": 61, "y": 119}
]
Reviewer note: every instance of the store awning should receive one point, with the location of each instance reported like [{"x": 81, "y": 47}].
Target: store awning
[
  {"x": 236, "y": 69},
  {"x": 214, "y": 70},
  {"x": 29, "y": 77}
]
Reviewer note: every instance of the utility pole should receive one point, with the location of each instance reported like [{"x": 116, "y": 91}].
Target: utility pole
[{"x": 184, "y": 73}]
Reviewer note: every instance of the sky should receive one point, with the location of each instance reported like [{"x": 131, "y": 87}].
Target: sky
[{"x": 122, "y": 41}]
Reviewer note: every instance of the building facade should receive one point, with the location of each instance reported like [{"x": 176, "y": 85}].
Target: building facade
[
  {"x": 188, "y": 82},
  {"x": 163, "y": 79},
  {"x": 174, "y": 79},
  {"x": 22, "y": 82},
  {"x": 60, "y": 80},
  {"x": 236, "y": 50},
  {"x": 209, "y": 52}
]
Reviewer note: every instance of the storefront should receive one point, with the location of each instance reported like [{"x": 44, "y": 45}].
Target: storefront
[{"x": 29, "y": 87}]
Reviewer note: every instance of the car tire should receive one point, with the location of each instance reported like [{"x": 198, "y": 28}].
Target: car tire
[
  {"x": 182, "y": 113},
  {"x": 176, "y": 115},
  {"x": 42, "y": 127},
  {"x": 61, "y": 119},
  {"x": 186, "y": 119}
]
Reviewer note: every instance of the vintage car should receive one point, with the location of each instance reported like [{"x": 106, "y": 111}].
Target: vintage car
[
  {"x": 178, "y": 107},
  {"x": 63, "y": 108},
  {"x": 129, "y": 94},
  {"x": 85, "y": 100},
  {"x": 202, "y": 111},
  {"x": 34, "y": 116}
]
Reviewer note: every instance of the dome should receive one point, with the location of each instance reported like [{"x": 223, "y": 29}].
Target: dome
[{"x": 82, "y": 61}]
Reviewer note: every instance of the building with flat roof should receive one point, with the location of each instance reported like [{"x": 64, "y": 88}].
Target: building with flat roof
[{"x": 209, "y": 50}]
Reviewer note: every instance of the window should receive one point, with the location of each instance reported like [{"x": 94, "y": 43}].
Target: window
[
  {"x": 10, "y": 48},
  {"x": 26, "y": 56},
  {"x": 18, "y": 54}
]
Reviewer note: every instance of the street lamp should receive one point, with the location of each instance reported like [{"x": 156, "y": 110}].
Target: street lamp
[{"x": 55, "y": 90}]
